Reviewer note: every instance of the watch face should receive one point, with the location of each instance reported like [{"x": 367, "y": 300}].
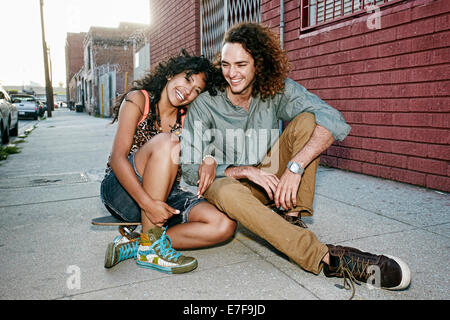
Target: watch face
[{"x": 294, "y": 167}]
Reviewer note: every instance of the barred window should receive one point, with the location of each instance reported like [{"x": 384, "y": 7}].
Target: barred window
[
  {"x": 216, "y": 16},
  {"x": 318, "y": 12},
  {"x": 243, "y": 11}
]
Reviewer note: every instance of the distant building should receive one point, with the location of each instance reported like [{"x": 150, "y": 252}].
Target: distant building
[
  {"x": 108, "y": 66},
  {"x": 141, "y": 59},
  {"x": 74, "y": 60}
]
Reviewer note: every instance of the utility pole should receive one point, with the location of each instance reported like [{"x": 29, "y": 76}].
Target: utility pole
[{"x": 48, "y": 81}]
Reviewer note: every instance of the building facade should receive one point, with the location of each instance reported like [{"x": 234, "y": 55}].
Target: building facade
[
  {"x": 386, "y": 68},
  {"x": 384, "y": 64},
  {"x": 107, "y": 68},
  {"x": 74, "y": 60}
]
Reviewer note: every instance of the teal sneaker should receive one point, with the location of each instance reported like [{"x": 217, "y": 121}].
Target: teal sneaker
[
  {"x": 156, "y": 252},
  {"x": 122, "y": 248}
]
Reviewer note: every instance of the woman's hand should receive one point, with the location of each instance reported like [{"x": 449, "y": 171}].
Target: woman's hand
[
  {"x": 206, "y": 175},
  {"x": 158, "y": 212}
]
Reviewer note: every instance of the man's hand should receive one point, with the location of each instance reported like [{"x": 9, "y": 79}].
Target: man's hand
[
  {"x": 286, "y": 193},
  {"x": 266, "y": 180},
  {"x": 206, "y": 175}
]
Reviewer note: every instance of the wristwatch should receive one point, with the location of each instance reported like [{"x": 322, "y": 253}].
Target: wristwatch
[{"x": 295, "y": 167}]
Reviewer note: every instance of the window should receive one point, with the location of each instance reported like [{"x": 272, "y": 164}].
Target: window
[
  {"x": 136, "y": 60},
  {"x": 89, "y": 57},
  {"x": 141, "y": 62},
  {"x": 216, "y": 16},
  {"x": 319, "y": 12},
  {"x": 23, "y": 98},
  {"x": 243, "y": 11}
]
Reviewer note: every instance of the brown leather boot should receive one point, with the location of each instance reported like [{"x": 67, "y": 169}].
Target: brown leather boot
[
  {"x": 295, "y": 220},
  {"x": 356, "y": 266}
]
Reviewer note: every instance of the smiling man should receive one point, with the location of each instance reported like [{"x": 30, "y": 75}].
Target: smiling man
[
  {"x": 238, "y": 68},
  {"x": 231, "y": 148}
]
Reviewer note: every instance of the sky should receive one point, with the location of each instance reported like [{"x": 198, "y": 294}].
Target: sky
[{"x": 21, "y": 60}]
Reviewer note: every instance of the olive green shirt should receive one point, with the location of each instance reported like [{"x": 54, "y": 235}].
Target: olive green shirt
[{"x": 214, "y": 126}]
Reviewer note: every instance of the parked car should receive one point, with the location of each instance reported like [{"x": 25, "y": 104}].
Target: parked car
[
  {"x": 27, "y": 105},
  {"x": 9, "y": 120}
]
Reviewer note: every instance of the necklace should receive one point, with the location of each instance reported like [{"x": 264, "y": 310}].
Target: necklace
[
  {"x": 176, "y": 128},
  {"x": 158, "y": 119}
]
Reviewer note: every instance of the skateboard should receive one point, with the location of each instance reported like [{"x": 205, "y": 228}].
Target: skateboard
[{"x": 125, "y": 228}]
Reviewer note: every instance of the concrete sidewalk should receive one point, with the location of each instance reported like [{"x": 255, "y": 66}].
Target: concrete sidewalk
[{"x": 49, "y": 192}]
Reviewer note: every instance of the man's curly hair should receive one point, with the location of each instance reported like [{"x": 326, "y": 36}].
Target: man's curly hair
[
  {"x": 155, "y": 80},
  {"x": 271, "y": 63}
]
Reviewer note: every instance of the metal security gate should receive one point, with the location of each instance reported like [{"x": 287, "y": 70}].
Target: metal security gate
[
  {"x": 216, "y": 16},
  {"x": 106, "y": 89}
]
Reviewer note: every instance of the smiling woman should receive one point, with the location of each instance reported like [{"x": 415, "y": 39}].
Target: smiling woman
[
  {"x": 22, "y": 32},
  {"x": 143, "y": 177}
]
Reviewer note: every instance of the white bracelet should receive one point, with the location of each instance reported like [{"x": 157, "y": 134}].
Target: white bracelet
[{"x": 209, "y": 156}]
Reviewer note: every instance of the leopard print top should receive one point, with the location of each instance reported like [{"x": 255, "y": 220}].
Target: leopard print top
[{"x": 147, "y": 129}]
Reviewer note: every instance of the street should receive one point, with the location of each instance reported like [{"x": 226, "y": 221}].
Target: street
[{"x": 49, "y": 192}]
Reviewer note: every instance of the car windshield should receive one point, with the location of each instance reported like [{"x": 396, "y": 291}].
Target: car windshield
[{"x": 23, "y": 98}]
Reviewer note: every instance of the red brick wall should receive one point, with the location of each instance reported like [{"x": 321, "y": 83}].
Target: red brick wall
[
  {"x": 391, "y": 85},
  {"x": 74, "y": 53},
  {"x": 74, "y": 57},
  {"x": 116, "y": 55},
  {"x": 175, "y": 24}
]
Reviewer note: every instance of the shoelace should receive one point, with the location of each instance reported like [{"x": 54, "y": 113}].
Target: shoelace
[
  {"x": 348, "y": 269},
  {"x": 128, "y": 250},
  {"x": 165, "y": 247}
]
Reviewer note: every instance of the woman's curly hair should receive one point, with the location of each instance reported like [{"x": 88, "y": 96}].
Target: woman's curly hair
[
  {"x": 271, "y": 63},
  {"x": 155, "y": 80}
]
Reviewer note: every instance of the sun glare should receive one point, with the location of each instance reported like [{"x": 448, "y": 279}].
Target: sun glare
[{"x": 22, "y": 62}]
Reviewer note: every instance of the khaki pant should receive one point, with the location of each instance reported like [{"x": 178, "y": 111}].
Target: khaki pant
[{"x": 246, "y": 202}]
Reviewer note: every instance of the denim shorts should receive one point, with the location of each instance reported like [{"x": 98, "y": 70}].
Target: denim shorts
[{"x": 122, "y": 206}]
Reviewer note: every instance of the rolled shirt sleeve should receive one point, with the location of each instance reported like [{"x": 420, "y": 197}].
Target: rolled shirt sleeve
[{"x": 296, "y": 99}]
